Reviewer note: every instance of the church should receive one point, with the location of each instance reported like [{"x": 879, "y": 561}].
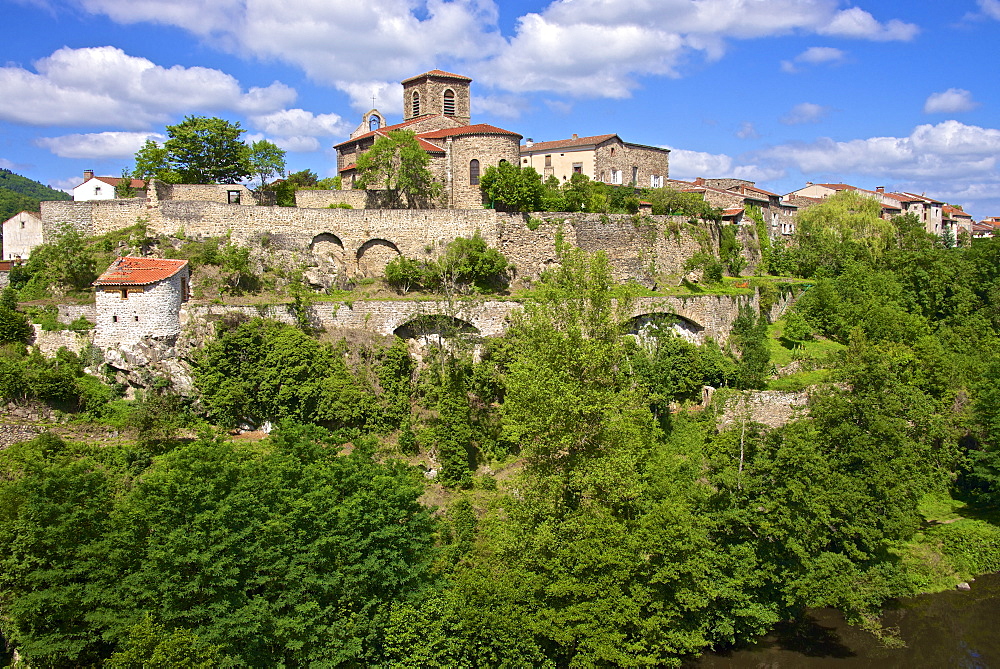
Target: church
[{"x": 436, "y": 107}]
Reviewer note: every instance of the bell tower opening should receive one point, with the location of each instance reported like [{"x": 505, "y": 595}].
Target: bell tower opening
[{"x": 437, "y": 92}]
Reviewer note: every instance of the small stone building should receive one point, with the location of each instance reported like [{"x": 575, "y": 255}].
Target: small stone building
[
  {"x": 436, "y": 107},
  {"x": 140, "y": 297},
  {"x": 21, "y": 233},
  {"x": 605, "y": 158},
  {"x": 102, "y": 188}
]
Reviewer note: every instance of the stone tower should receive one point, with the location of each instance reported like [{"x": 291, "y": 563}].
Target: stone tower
[{"x": 437, "y": 92}]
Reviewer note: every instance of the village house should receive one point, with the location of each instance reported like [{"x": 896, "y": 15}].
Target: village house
[
  {"x": 138, "y": 298},
  {"x": 436, "y": 108},
  {"x": 21, "y": 233},
  {"x": 102, "y": 188},
  {"x": 928, "y": 210},
  {"x": 605, "y": 158},
  {"x": 734, "y": 196},
  {"x": 956, "y": 220}
]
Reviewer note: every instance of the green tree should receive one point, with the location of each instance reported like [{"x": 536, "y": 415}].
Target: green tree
[
  {"x": 397, "y": 165},
  {"x": 64, "y": 263},
  {"x": 512, "y": 187},
  {"x": 265, "y": 161},
  {"x": 198, "y": 150},
  {"x": 14, "y": 326},
  {"x": 124, "y": 187}
]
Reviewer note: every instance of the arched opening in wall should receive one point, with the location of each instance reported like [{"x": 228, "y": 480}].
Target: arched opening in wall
[
  {"x": 374, "y": 255},
  {"x": 449, "y": 102},
  {"x": 474, "y": 172},
  {"x": 437, "y": 331},
  {"x": 503, "y": 161},
  {"x": 374, "y": 122},
  {"x": 647, "y": 327},
  {"x": 328, "y": 249},
  {"x": 415, "y": 104}
]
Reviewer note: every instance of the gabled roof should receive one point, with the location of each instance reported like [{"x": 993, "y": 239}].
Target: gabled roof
[
  {"x": 437, "y": 73},
  {"x": 594, "y": 140},
  {"x": 114, "y": 181},
  {"x": 836, "y": 186},
  {"x": 129, "y": 271},
  {"x": 923, "y": 198},
  {"x": 384, "y": 131},
  {"x": 477, "y": 129},
  {"x": 955, "y": 211}
]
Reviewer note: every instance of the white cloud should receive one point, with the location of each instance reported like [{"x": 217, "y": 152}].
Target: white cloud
[
  {"x": 105, "y": 86},
  {"x": 951, "y": 101},
  {"x": 990, "y": 8},
  {"x": 747, "y": 131},
  {"x": 805, "y": 112},
  {"x": 585, "y": 48},
  {"x": 97, "y": 144},
  {"x": 6, "y": 164},
  {"x": 814, "y": 55},
  {"x": 687, "y": 165},
  {"x": 297, "y": 130},
  {"x": 67, "y": 185},
  {"x": 948, "y": 150},
  {"x": 506, "y": 106},
  {"x": 857, "y": 23}
]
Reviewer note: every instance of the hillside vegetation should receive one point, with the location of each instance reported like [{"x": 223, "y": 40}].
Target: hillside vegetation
[
  {"x": 553, "y": 497},
  {"x": 19, "y": 194}
]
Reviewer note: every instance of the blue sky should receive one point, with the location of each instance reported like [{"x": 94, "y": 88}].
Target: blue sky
[{"x": 873, "y": 93}]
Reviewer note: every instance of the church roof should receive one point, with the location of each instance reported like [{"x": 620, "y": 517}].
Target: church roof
[
  {"x": 477, "y": 129},
  {"x": 129, "y": 271},
  {"x": 437, "y": 73}
]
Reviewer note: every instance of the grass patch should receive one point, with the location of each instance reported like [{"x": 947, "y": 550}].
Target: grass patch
[
  {"x": 799, "y": 381},
  {"x": 817, "y": 351}
]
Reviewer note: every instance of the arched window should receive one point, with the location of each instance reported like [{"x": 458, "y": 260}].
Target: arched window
[
  {"x": 416, "y": 104},
  {"x": 374, "y": 122},
  {"x": 503, "y": 161},
  {"x": 474, "y": 172},
  {"x": 449, "y": 102}
]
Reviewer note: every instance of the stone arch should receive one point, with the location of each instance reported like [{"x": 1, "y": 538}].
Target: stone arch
[
  {"x": 435, "y": 326},
  {"x": 374, "y": 255},
  {"x": 327, "y": 247},
  {"x": 643, "y": 325}
]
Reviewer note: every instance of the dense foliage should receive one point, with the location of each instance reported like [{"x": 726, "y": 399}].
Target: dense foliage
[
  {"x": 396, "y": 165},
  {"x": 589, "y": 512},
  {"x": 18, "y": 193}
]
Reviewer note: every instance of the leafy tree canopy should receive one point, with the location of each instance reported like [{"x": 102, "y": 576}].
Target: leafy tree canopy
[
  {"x": 397, "y": 165},
  {"x": 201, "y": 150}
]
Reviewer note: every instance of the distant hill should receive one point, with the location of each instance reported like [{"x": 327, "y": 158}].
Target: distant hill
[{"x": 19, "y": 193}]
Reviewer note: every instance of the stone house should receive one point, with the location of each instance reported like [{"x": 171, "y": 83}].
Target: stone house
[
  {"x": 437, "y": 108},
  {"x": 605, "y": 158},
  {"x": 101, "y": 188},
  {"x": 140, "y": 297},
  {"x": 956, "y": 220},
  {"x": 21, "y": 233},
  {"x": 928, "y": 210}
]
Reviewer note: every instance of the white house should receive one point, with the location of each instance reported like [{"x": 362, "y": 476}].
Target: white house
[
  {"x": 101, "y": 188},
  {"x": 21, "y": 233},
  {"x": 139, "y": 298}
]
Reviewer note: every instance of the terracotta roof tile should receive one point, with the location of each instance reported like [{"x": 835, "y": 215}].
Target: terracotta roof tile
[
  {"x": 438, "y": 73},
  {"x": 114, "y": 181},
  {"x": 383, "y": 131},
  {"x": 567, "y": 143},
  {"x": 129, "y": 271},
  {"x": 477, "y": 129}
]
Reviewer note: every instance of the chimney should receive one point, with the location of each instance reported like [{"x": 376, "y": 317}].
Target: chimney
[
  {"x": 879, "y": 189},
  {"x": 575, "y": 136},
  {"x": 700, "y": 181},
  {"x": 88, "y": 175},
  {"x": 529, "y": 142},
  {"x": 809, "y": 183}
]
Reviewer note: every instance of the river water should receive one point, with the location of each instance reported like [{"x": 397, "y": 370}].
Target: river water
[{"x": 947, "y": 629}]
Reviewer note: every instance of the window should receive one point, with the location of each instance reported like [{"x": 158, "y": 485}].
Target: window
[
  {"x": 374, "y": 123},
  {"x": 474, "y": 172},
  {"x": 616, "y": 176},
  {"x": 655, "y": 181},
  {"x": 22, "y": 225},
  {"x": 548, "y": 160},
  {"x": 184, "y": 290},
  {"x": 577, "y": 168},
  {"x": 635, "y": 176},
  {"x": 136, "y": 319},
  {"x": 97, "y": 190},
  {"x": 124, "y": 293},
  {"x": 503, "y": 161},
  {"x": 234, "y": 196},
  {"x": 415, "y": 107},
  {"x": 449, "y": 102},
  {"x": 525, "y": 161},
  {"x": 114, "y": 319},
  {"x": 612, "y": 152}
]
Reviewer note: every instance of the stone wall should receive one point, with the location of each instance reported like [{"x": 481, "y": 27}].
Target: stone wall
[
  {"x": 50, "y": 342},
  {"x": 70, "y": 312},
  {"x": 77, "y": 215},
  {"x": 431, "y": 89},
  {"x": 205, "y": 193},
  {"x": 320, "y": 199},
  {"x": 768, "y": 407}
]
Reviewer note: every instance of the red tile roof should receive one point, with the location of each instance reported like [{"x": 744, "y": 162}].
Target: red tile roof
[
  {"x": 114, "y": 181},
  {"x": 567, "y": 143},
  {"x": 382, "y": 131},
  {"x": 129, "y": 271},
  {"x": 437, "y": 73},
  {"x": 955, "y": 211},
  {"x": 477, "y": 129},
  {"x": 730, "y": 213},
  {"x": 837, "y": 186}
]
